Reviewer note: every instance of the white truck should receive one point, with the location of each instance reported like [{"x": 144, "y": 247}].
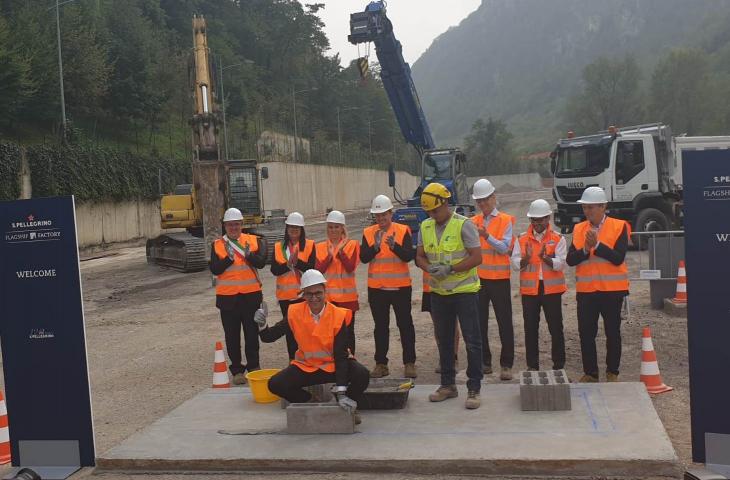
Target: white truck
[{"x": 639, "y": 167}]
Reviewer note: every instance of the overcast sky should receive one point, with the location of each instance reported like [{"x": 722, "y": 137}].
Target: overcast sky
[{"x": 416, "y": 23}]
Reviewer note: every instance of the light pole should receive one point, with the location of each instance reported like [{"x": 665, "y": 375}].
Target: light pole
[
  {"x": 223, "y": 98},
  {"x": 339, "y": 129},
  {"x": 60, "y": 62},
  {"x": 294, "y": 101},
  {"x": 370, "y": 142}
]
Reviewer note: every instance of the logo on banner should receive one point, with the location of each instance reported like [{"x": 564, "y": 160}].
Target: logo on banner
[
  {"x": 43, "y": 230},
  {"x": 40, "y": 334},
  {"x": 718, "y": 191}
]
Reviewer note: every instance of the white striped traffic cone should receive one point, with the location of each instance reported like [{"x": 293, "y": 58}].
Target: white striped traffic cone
[
  {"x": 650, "y": 367},
  {"x": 220, "y": 372},
  {"x": 4, "y": 432},
  {"x": 681, "y": 295}
]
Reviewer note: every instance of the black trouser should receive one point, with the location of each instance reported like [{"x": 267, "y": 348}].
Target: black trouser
[
  {"x": 289, "y": 383},
  {"x": 350, "y": 329},
  {"x": 241, "y": 314},
  {"x": 380, "y": 302},
  {"x": 552, "y": 306},
  {"x": 498, "y": 293},
  {"x": 590, "y": 306},
  {"x": 291, "y": 342}
]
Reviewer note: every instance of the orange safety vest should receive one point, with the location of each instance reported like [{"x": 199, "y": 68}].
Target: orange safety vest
[
  {"x": 287, "y": 285},
  {"x": 553, "y": 280},
  {"x": 426, "y": 284},
  {"x": 386, "y": 270},
  {"x": 495, "y": 265},
  {"x": 597, "y": 274},
  {"x": 316, "y": 340},
  {"x": 240, "y": 277},
  {"x": 341, "y": 284}
]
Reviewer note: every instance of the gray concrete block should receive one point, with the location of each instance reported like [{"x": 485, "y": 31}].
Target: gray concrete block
[
  {"x": 546, "y": 390},
  {"x": 321, "y": 393},
  {"x": 675, "y": 309},
  {"x": 317, "y": 418},
  {"x": 528, "y": 391},
  {"x": 561, "y": 390}
]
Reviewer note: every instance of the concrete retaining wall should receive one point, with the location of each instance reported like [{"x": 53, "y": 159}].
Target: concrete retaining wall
[
  {"x": 107, "y": 222},
  {"x": 519, "y": 180}
]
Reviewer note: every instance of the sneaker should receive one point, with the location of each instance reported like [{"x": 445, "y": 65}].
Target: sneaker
[
  {"x": 506, "y": 374},
  {"x": 444, "y": 392},
  {"x": 239, "y": 379},
  {"x": 380, "y": 370},
  {"x": 588, "y": 379},
  {"x": 356, "y": 415},
  {"x": 473, "y": 400},
  {"x": 611, "y": 377},
  {"x": 409, "y": 370},
  {"x": 487, "y": 370}
]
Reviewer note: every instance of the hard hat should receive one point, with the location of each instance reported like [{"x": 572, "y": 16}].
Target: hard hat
[
  {"x": 312, "y": 277},
  {"x": 295, "y": 219},
  {"x": 381, "y": 204},
  {"x": 539, "y": 208},
  {"x": 335, "y": 216},
  {"x": 232, "y": 215},
  {"x": 434, "y": 195},
  {"x": 593, "y": 195},
  {"x": 482, "y": 189}
]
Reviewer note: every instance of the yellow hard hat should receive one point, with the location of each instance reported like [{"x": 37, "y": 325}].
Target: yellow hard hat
[{"x": 434, "y": 195}]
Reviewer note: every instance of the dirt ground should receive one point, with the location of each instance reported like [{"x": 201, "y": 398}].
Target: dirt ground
[{"x": 151, "y": 332}]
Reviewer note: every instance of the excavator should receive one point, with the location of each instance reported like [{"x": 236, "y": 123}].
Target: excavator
[
  {"x": 444, "y": 165},
  {"x": 217, "y": 183}
]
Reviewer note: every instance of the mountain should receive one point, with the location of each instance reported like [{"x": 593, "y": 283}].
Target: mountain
[{"x": 519, "y": 60}]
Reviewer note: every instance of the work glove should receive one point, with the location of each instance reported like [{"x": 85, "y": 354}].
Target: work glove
[
  {"x": 230, "y": 251},
  {"x": 439, "y": 272},
  {"x": 260, "y": 316},
  {"x": 346, "y": 402}
]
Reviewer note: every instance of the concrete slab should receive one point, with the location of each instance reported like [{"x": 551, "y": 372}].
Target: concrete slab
[
  {"x": 675, "y": 309},
  {"x": 612, "y": 430}
]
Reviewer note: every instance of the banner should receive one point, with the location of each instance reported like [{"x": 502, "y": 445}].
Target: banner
[
  {"x": 43, "y": 335},
  {"x": 706, "y": 176}
]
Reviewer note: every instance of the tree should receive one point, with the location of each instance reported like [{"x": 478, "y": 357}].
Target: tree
[
  {"x": 610, "y": 95},
  {"x": 488, "y": 148},
  {"x": 16, "y": 83}
]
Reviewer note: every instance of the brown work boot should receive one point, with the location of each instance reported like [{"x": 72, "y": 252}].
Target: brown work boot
[
  {"x": 506, "y": 374},
  {"x": 409, "y": 370},
  {"x": 473, "y": 400},
  {"x": 588, "y": 379},
  {"x": 487, "y": 369},
  {"x": 380, "y": 370},
  {"x": 444, "y": 392},
  {"x": 611, "y": 377},
  {"x": 239, "y": 379}
]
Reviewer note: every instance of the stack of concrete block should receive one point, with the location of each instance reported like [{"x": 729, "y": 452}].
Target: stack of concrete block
[
  {"x": 545, "y": 390},
  {"x": 317, "y": 418}
]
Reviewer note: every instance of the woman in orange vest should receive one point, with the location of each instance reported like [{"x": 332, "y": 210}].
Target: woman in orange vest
[
  {"x": 495, "y": 234},
  {"x": 234, "y": 259},
  {"x": 539, "y": 256},
  {"x": 337, "y": 259},
  {"x": 387, "y": 247},
  {"x": 598, "y": 252},
  {"x": 322, "y": 336},
  {"x": 292, "y": 257}
]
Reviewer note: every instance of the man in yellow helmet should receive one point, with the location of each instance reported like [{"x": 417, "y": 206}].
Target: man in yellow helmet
[{"x": 449, "y": 250}]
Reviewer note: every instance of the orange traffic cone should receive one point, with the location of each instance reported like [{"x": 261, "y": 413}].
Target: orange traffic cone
[
  {"x": 681, "y": 295},
  {"x": 4, "y": 432},
  {"x": 220, "y": 372},
  {"x": 650, "y": 367}
]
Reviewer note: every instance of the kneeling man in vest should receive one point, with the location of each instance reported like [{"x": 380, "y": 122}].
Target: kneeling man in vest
[{"x": 321, "y": 332}]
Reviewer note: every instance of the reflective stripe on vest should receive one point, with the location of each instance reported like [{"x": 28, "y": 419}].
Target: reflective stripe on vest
[
  {"x": 240, "y": 277},
  {"x": 553, "y": 281},
  {"x": 596, "y": 274},
  {"x": 341, "y": 284},
  {"x": 287, "y": 285},
  {"x": 495, "y": 265},
  {"x": 315, "y": 340},
  {"x": 449, "y": 250},
  {"x": 386, "y": 270}
]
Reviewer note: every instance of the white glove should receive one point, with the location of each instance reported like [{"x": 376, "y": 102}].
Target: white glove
[
  {"x": 260, "y": 316},
  {"x": 439, "y": 272},
  {"x": 346, "y": 402},
  {"x": 229, "y": 250}
]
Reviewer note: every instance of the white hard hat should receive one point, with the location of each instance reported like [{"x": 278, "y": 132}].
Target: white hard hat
[
  {"x": 335, "y": 216},
  {"x": 593, "y": 195},
  {"x": 482, "y": 189},
  {"x": 381, "y": 204},
  {"x": 312, "y": 277},
  {"x": 232, "y": 214},
  {"x": 539, "y": 208},
  {"x": 295, "y": 219}
]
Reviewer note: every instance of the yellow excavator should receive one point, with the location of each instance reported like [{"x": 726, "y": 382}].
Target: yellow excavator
[{"x": 217, "y": 184}]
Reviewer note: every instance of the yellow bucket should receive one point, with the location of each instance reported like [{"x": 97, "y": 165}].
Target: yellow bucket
[{"x": 258, "y": 380}]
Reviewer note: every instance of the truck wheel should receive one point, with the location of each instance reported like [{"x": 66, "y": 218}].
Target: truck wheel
[{"x": 648, "y": 220}]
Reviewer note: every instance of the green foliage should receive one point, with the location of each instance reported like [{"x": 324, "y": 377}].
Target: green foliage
[
  {"x": 16, "y": 84},
  {"x": 9, "y": 171},
  {"x": 488, "y": 148}
]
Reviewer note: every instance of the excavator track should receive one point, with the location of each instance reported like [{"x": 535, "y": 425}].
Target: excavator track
[{"x": 181, "y": 251}]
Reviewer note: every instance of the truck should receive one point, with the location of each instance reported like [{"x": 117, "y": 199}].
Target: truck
[
  {"x": 443, "y": 165},
  {"x": 217, "y": 183},
  {"x": 639, "y": 167}
]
